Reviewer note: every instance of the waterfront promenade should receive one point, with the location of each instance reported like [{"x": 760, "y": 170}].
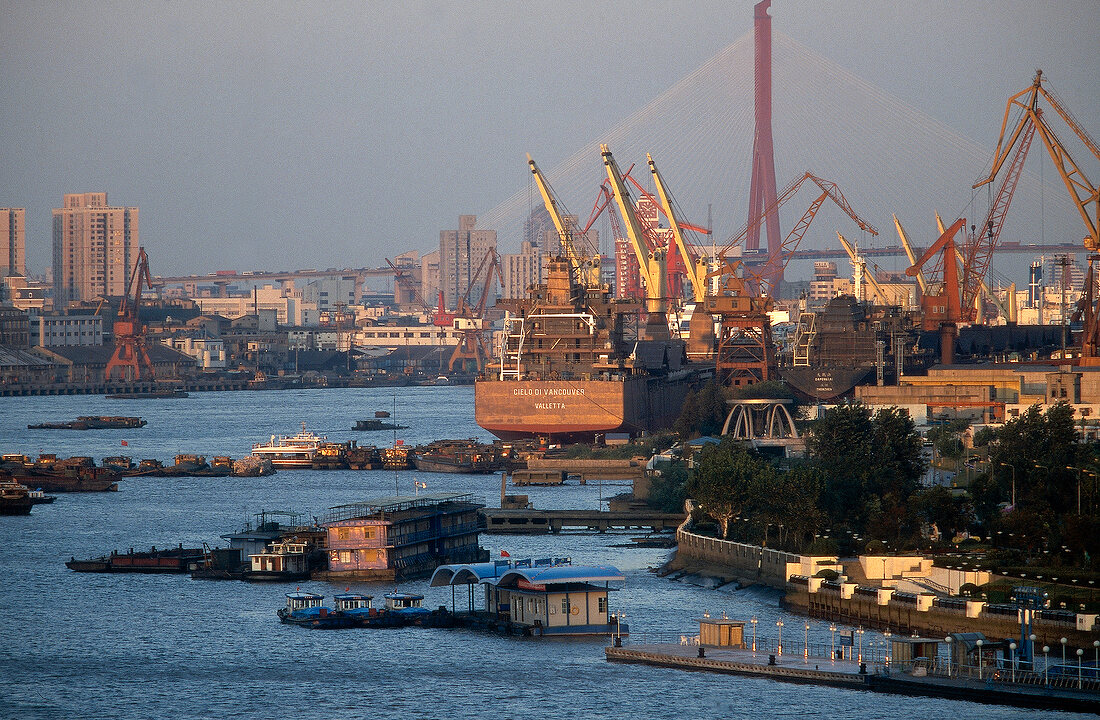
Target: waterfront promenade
[{"x": 936, "y": 678}]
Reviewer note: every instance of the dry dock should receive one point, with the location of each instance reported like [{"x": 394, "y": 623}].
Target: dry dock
[{"x": 1063, "y": 695}]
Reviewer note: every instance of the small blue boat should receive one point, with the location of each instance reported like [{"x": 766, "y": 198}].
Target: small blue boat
[{"x": 307, "y": 610}]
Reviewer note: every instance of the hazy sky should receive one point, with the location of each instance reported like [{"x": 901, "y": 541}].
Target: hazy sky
[{"x": 289, "y": 135}]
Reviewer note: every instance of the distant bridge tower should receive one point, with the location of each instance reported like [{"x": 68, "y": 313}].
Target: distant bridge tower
[{"x": 762, "y": 193}]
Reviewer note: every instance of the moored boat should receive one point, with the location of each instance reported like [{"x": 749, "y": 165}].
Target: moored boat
[
  {"x": 15, "y": 499},
  {"x": 290, "y": 451},
  {"x": 569, "y": 370}
]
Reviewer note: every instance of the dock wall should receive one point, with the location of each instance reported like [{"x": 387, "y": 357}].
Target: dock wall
[
  {"x": 876, "y": 608},
  {"x": 750, "y": 563}
]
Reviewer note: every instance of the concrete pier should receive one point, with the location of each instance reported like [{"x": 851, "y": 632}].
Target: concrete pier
[
  {"x": 539, "y": 522},
  {"x": 1063, "y": 694}
]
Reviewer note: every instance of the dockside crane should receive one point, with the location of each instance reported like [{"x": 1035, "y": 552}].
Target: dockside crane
[
  {"x": 470, "y": 321},
  {"x": 943, "y": 311},
  {"x": 586, "y": 267},
  {"x": 130, "y": 357},
  {"x": 1032, "y": 117},
  {"x": 440, "y": 316},
  {"x": 776, "y": 262},
  {"x": 859, "y": 271},
  {"x": 651, "y": 263}
]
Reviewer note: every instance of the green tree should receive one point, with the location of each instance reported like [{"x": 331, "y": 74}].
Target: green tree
[
  {"x": 668, "y": 490},
  {"x": 703, "y": 412},
  {"x": 723, "y": 481}
]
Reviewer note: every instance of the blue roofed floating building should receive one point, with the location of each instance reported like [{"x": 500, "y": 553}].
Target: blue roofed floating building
[{"x": 541, "y": 597}]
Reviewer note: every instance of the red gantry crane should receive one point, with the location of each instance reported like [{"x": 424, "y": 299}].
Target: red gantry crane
[
  {"x": 130, "y": 358},
  {"x": 471, "y": 321}
]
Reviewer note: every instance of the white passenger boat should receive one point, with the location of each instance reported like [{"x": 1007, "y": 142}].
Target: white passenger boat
[{"x": 290, "y": 451}]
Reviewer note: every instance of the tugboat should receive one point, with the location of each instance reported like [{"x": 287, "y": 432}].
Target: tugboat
[{"x": 15, "y": 499}]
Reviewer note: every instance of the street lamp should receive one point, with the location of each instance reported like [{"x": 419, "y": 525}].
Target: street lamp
[
  {"x": 832, "y": 641},
  {"x": 860, "y": 633},
  {"x": 979, "y": 643},
  {"x": 1012, "y": 659},
  {"x": 806, "y": 643},
  {"x": 753, "y": 621},
  {"x": 1080, "y": 652},
  {"x": 948, "y": 640},
  {"x": 1063, "y": 641},
  {"x": 779, "y": 624},
  {"x": 1096, "y": 649},
  {"x": 886, "y": 650},
  {"x": 1046, "y": 663},
  {"x": 1070, "y": 467},
  {"x": 1013, "y": 467}
]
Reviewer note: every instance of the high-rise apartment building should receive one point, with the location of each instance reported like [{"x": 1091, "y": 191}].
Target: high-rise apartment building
[
  {"x": 94, "y": 247},
  {"x": 521, "y": 270},
  {"x": 460, "y": 253},
  {"x": 13, "y": 241}
]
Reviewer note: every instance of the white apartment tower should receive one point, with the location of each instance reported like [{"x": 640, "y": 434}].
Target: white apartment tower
[
  {"x": 94, "y": 247},
  {"x": 13, "y": 241}
]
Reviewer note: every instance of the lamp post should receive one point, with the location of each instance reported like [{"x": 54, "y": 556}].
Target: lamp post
[
  {"x": 1046, "y": 662},
  {"x": 806, "y": 642},
  {"x": 886, "y": 647},
  {"x": 1013, "y": 467},
  {"x": 1012, "y": 659},
  {"x": 1070, "y": 467},
  {"x": 832, "y": 641},
  {"x": 1080, "y": 652},
  {"x": 1063, "y": 641},
  {"x": 950, "y": 648},
  {"x": 979, "y": 643},
  {"x": 753, "y": 621},
  {"x": 779, "y": 624},
  {"x": 859, "y": 632},
  {"x": 1096, "y": 649}
]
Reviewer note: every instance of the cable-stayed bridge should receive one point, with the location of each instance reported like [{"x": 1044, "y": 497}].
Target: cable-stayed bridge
[{"x": 886, "y": 156}]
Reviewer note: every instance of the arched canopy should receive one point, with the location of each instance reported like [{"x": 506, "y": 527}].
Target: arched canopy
[{"x": 551, "y": 571}]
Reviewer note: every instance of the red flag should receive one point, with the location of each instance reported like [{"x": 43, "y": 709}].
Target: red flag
[
  {"x": 504, "y": 553},
  {"x": 400, "y": 442},
  {"x": 125, "y": 443}
]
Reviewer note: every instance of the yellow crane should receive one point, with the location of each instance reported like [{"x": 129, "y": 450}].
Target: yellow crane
[
  {"x": 695, "y": 264},
  {"x": 859, "y": 269},
  {"x": 650, "y": 263},
  {"x": 585, "y": 267}
]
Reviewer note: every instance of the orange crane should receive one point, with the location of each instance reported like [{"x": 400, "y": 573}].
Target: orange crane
[
  {"x": 979, "y": 250},
  {"x": 772, "y": 271},
  {"x": 1086, "y": 197},
  {"x": 471, "y": 321},
  {"x": 943, "y": 310},
  {"x": 130, "y": 357},
  {"x": 440, "y": 316}
]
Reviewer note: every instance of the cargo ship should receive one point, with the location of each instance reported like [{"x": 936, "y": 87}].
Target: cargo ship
[
  {"x": 846, "y": 344},
  {"x": 571, "y": 366}
]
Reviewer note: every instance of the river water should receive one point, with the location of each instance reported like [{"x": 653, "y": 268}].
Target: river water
[{"x": 81, "y": 645}]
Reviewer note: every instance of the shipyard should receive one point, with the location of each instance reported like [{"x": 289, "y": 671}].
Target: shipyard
[{"x": 478, "y": 360}]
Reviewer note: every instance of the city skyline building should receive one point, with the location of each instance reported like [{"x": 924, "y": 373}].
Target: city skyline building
[
  {"x": 94, "y": 246},
  {"x": 13, "y": 241},
  {"x": 460, "y": 253}
]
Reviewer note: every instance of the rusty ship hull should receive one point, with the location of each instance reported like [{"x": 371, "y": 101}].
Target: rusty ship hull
[{"x": 577, "y": 410}]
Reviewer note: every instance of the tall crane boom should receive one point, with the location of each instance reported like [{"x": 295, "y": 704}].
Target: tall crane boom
[
  {"x": 651, "y": 264},
  {"x": 130, "y": 357},
  {"x": 859, "y": 266},
  {"x": 1086, "y": 197},
  {"x": 587, "y": 269},
  {"x": 695, "y": 266}
]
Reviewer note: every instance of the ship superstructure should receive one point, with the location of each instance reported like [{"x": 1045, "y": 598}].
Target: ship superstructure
[{"x": 570, "y": 366}]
